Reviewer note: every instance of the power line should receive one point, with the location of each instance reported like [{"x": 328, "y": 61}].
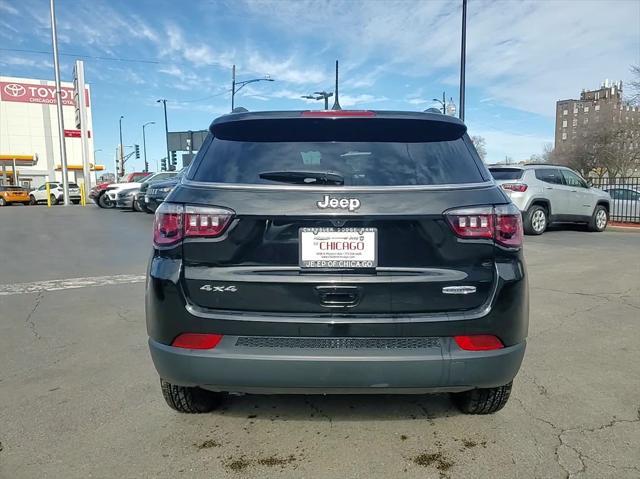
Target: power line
[
  {"x": 77, "y": 55},
  {"x": 228, "y": 90}
]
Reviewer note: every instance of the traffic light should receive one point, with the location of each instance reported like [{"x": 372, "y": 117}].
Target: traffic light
[
  {"x": 173, "y": 162},
  {"x": 163, "y": 164},
  {"x": 137, "y": 148}
]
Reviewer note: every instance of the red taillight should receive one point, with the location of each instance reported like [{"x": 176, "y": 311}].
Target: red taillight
[
  {"x": 339, "y": 113},
  {"x": 479, "y": 342},
  {"x": 197, "y": 341},
  {"x": 174, "y": 222},
  {"x": 167, "y": 226},
  {"x": 503, "y": 224},
  {"x": 472, "y": 222},
  {"x": 205, "y": 222},
  {"x": 509, "y": 231},
  {"x": 519, "y": 187}
]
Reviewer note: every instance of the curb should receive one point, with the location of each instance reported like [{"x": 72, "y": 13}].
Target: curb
[{"x": 625, "y": 227}]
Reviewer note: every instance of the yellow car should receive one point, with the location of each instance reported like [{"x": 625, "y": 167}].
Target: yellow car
[{"x": 13, "y": 194}]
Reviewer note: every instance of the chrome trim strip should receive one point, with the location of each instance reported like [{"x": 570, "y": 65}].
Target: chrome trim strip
[
  {"x": 270, "y": 275},
  {"x": 335, "y": 318},
  {"x": 458, "y": 290},
  {"x": 334, "y": 189}
]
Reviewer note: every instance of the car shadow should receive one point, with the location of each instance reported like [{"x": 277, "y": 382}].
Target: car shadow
[{"x": 339, "y": 407}]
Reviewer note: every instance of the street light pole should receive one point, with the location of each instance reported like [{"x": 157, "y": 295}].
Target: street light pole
[
  {"x": 320, "y": 95},
  {"x": 242, "y": 84},
  {"x": 463, "y": 57},
  {"x": 144, "y": 145},
  {"x": 166, "y": 124},
  {"x": 442, "y": 102},
  {"x": 56, "y": 69},
  {"x": 120, "y": 152}
]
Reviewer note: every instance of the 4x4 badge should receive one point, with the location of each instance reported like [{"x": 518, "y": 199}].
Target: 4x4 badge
[{"x": 350, "y": 204}]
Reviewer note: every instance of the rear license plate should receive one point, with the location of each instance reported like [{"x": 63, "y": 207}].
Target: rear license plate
[{"x": 338, "y": 247}]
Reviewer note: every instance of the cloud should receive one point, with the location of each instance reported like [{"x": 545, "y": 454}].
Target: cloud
[
  {"x": 361, "y": 99},
  {"x": 25, "y": 62},
  {"x": 5, "y": 7},
  {"x": 524, "y": 54},
  {"x": 518, "y": 146}
]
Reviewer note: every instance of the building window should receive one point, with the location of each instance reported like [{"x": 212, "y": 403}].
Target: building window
[
  {"x": 564, "y": 123},
  {"x": 575, "y": 109},
  {"x": 575, "y": 122},
  {"x": 586, "y": 109},
  {"x": 597, "y": 108},
  {"x": 564, "y": 135},
  {"x": 565, "y": 112}
]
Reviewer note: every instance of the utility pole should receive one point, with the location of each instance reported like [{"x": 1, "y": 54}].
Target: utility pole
[
  {"x": 121, "y": 152},
  {"x": 233, "y": 87},
  {"x": 56, "y": 69},
  {"x": 144, "y": 145},
  {"x": 166, "y": 124},
  {"x": 463, "y": 57},
  {"x": 336, "y": 103}
]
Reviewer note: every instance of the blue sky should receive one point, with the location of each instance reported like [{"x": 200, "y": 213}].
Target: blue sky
[{"x": 522, "y": 57}]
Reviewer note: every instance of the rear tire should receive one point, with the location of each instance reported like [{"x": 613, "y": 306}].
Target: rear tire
[
  {"x": 536, "y": 220},
  {"x": 136, "y": 206},
  {"x": 189, "y": 400},
  {"x": 3, "y": 202},
  {"x": 599, "y": 219},
  {"x": 54, "y": 200},
  {"x": 32, "y": 200},
  {"x": 105, "y": 202},
  {"x": 483, "y": 401}
]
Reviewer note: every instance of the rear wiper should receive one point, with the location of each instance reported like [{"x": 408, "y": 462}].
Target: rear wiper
[{"x": 304, "y": 177}]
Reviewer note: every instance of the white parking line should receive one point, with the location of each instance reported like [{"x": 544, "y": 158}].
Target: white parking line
[{"x": 69, "y": 283}]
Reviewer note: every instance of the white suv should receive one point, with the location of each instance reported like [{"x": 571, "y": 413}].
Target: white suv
[
  {"x": 548, "y": 194},
  {"x": 56, "y": 192}
]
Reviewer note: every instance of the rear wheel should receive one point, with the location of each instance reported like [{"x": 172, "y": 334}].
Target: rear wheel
[
  {"x": 32, "y": 200},
  {"x": 104, "y": 201},
  {"x": 536, "y": 220},
  {"x": 3, "y": 202},
  {"x": 189, "y": 399},
  {"x": 54, "y": 200},
  {"x": 136, "y": 206},
  {"x": 483, "y": 401},
  {"x": 599, "y": 219}
]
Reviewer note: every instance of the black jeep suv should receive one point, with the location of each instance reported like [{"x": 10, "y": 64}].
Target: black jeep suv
[{"x": 337, "y": 252}]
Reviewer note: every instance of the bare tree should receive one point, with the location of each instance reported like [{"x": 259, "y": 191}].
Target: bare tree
[
  {"x": 634, "y": 85},
  {"x": 611, "y": 151},
  {"x": 481, "y": 146},
  {"x": 547, "y": 155}
]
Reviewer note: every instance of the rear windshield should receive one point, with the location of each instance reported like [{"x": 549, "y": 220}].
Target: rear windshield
[
  {"x": 358, "y": 163},
  {"x": 73, "y": 185},
  {"x": 506, "y": 173}
]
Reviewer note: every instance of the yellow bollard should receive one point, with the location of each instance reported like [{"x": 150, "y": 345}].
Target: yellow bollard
[
  {"x": 83, "y": 199},
  {"x": 48, "y": 195}
]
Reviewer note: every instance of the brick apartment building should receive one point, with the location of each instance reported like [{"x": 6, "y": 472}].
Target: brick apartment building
[{"x": 595, "y": 109}]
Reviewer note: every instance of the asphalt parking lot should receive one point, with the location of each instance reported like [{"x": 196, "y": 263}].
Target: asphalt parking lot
[{"x": 79, "y": 396}]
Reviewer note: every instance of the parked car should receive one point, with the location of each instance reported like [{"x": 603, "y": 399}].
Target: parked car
[
  {"x": 156, "y": 193},
  {"x": 13, "y": 194},
  {"x": 104, "y": 200},
  {"x": 97, "y": 195},
  {"x": 625, "y": 203},
  {"x": 56, "y": 193},
  {"x": 337, "y": 251},
  {"x": 548, "y": 194},
  {"x": 134, "y": 197}
]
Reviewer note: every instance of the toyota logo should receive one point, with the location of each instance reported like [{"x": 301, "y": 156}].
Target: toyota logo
[{"x": 14, "y": 90}]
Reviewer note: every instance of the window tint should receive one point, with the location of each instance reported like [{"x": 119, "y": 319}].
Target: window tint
[
  {"x": 571, "y": 179},
  {"x": 73, "y": 185},
  {"x": 365, "y": 163},
  {"x": 622, "y": 194},
  {"x": 506, "y": 173},
  {"x": 549, "y": 175}
]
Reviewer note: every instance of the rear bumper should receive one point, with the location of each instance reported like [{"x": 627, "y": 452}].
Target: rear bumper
[{"x": 440, "y": 367}]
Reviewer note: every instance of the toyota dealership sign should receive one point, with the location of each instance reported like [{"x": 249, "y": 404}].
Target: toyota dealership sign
[{"x": 30, "y": 93}]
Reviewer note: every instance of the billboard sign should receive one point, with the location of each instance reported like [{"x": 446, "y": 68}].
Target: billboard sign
[{"x": 34, "y": 93}]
